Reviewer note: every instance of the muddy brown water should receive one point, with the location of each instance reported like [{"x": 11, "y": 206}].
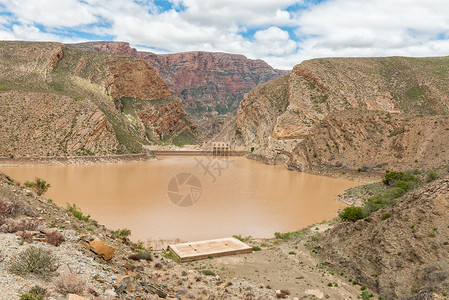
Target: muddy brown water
[{"x": 224, "y": 197}]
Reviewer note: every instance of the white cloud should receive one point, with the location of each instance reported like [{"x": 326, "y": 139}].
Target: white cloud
[
  {"x": 68, "y": 13},
  {"x": 331, "y": 28},
  {"x": 381, "y": 27}
]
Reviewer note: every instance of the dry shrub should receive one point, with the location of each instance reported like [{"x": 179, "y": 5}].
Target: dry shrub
[
  {"x": 9, "y": 209},
  {"x": 134, "y": 256},
  {"x": 12, "y": 226},
  {"x": 34, "y": 260},
  {"x": 26, "y": 236},
  {"x": 54, "y": 238},
  {"x": 70, "y": 283}
]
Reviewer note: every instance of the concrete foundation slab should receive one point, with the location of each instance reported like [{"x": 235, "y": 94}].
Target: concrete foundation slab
[{"x": 211, "y": 248}]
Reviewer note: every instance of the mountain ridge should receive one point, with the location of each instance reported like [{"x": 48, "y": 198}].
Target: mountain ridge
[
  {"x": 302, "y": 119},
  {"x": 211, "y": 84}
]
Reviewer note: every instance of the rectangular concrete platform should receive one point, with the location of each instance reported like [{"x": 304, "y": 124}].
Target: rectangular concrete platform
[{"x": 206, "y": 249}]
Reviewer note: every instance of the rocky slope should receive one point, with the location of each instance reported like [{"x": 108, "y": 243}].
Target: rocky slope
[
  {"x": 211, "y": 85},
  {"x": 399, "y": 250},
  {"x": 57, "y": 101},
  {"x": 367, "y": 113}
]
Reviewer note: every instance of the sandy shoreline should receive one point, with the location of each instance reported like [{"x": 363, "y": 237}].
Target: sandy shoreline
[{"x": 71, "y": 160}]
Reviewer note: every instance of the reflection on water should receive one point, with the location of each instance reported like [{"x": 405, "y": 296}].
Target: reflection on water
[{"x": 236, "y": 196}]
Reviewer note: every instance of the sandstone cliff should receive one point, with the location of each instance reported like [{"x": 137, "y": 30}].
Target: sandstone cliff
[
  {"x": 58, "y": 101},
  {"x": 211, "y": 85},
  {"x": 357, "y": 113}
]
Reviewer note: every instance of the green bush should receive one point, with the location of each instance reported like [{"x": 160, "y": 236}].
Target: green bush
[
  {"x": 35, "y": 293},
  {"x": 385, "y": 216},
  {"x": 208, "y": 273},
  {"x": 431, "y": 176},
  {"x": 122, "y": 233},
  {"x": 283, "y": 236},
  {"x": 34, "y": 260},
  {"x": 39, "y": 185},
  {"x": 241, "y": 238},
  {"x": 256, "y": 248},
  {"x": 77, "y": 213},
  {"x": 392, "y": 177},
  {"x": 145, "y": 254},
  {"x": 405, "y": 185},
  {"x": 352, "y": 214}
]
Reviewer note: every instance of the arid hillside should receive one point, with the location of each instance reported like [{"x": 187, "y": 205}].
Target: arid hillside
[
  {"x": 57, "y": 101},
  {"x": 399, "y": 250},
  {"x": 211, "y": 85},
  {"x": 350, "y": 113}
]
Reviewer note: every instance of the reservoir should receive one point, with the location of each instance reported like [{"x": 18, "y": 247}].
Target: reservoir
[{"x": 192, "y": 198}]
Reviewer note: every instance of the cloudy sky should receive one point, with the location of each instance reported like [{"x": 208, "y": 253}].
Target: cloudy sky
[{"x": 282, "y": 32}]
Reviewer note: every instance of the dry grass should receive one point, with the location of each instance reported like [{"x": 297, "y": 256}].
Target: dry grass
[
  {"x": 26, "y": 236},
  {"x": 9, "y": 209},
  {"x": 55, "y": 238},
  {"x": 34, "y": 260},
  {"x": 12, "y": 226},
  {"x": 70, "y": 283}
]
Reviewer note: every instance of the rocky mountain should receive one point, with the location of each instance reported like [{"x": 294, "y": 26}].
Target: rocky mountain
[
  {"x": 350, "y": 113},
  {"x": 211, "y": 85},
  {"x": 60, "y": 101},
  {"x": 399, "y": 251}
]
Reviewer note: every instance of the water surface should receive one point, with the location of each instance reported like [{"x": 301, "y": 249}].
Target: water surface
[{"x": 238, "y": 196}]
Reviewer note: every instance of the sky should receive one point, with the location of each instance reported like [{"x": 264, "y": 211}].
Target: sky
[{"x": 281, "y": 32}]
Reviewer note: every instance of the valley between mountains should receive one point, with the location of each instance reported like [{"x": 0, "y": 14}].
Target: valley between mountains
[{"x": 383, "y": 122}]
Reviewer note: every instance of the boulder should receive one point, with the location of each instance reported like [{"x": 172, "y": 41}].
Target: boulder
[
  {"x": 101, "y": 248},
  {"x": 124, "y": 282}
]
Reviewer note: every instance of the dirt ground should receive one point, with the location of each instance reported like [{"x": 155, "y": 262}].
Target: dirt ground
[{"x": 293, "y": 265}]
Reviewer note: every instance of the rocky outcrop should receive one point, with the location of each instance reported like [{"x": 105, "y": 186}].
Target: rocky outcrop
[
  {"x": 58, "y": 101},
  {"x": 399, "y": 250},
  {"x": 165, "y": 119},
  {"x": 45, "y": 124},
  {"x": 101, "y": 248},
  {"x": 350, "y": 112},
  {"x": 136, "y": 79},
  {"x": 211, "y": 85}
]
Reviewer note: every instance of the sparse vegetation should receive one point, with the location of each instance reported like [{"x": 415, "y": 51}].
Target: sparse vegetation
[
  {"x": 39, "y": 185},
  {"x": 54, "y": 238},
  {"x": 241, "y": 238},
  {"x": 396, "y": 184},
  {"x": 35, "y": 260},
  {"x": 77, "y": 213},
  {"x": 352, "y": 214},
  {"x": 208, "y": 272},
  {"x": 70, "y": 283},
  {"x": 35, "y": 293},
  {"x": 122, "y": 233},
  {"x": 385, "y": 216},
  {"x": 431, "y": 176}
]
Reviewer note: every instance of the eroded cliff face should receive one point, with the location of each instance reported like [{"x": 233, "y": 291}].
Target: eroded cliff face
[
  {"x": 367, "y": 113},
  {"x": 136, "y": 79},
  {"x": 211, "y": 85},
  {"x": 60, "y": 101}
]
